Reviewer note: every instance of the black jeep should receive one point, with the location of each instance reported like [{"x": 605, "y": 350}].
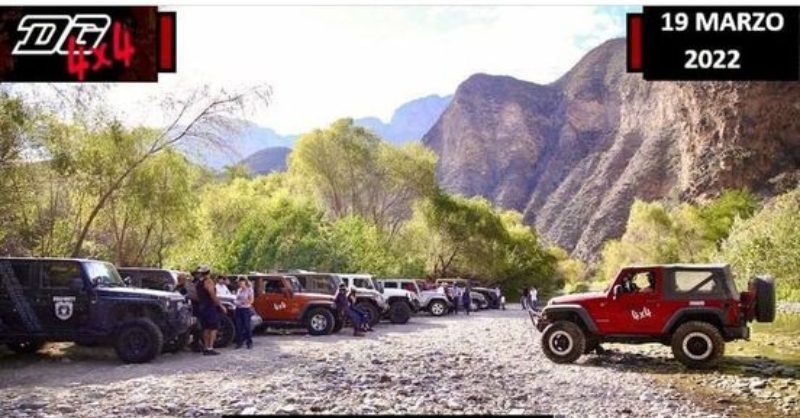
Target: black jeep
[{"x": 63, "y": 299}]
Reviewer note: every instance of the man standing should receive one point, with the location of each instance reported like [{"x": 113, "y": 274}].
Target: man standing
[
  {"x": 222, "y": 286},
  {"x": 534, "y": 296},
  {"x": 209, "y": 310},
  {"x": 500, "y": 298},
  {"x": 467, "y": 300}
]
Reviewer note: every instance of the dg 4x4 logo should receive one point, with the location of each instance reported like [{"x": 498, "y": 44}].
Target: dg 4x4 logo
[
  {"x": 86, "y": 43},
  {"x": 76, "y": 37}
]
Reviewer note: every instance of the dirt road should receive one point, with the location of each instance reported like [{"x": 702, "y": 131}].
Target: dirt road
[{"x": 489, "y": 362}]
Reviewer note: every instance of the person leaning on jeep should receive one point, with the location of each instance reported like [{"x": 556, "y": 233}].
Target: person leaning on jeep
[{"x": 209, "y": 309}]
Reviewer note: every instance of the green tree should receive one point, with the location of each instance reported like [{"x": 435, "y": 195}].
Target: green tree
[{"x": 768, "y": 243}]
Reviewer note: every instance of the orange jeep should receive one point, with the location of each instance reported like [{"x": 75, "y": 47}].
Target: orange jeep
[{"x": 281, "y": 302}]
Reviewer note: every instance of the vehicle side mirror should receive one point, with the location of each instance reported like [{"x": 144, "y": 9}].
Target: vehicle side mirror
[
  {"x": 127, "y": 280},
  {"x": 76, "y": 285}
]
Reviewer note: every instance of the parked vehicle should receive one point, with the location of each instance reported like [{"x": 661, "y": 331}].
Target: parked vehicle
[
  {"x": 66, "y": 299},
  {"x": 281, "y": 301},
  {"x": 492, "y": 300},
  {"x": 165, "y": 279},
  {"x": 430, "y": 301},
  {"x": 478, "y": 299},
  {"x": 150, "y": 278},
  {"x": 402, "y": 304},
  {"x": 369, "y": 300},
  {"x": 693, "y": 308}
]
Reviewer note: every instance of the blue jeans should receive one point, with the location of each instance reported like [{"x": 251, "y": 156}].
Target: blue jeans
[{"x": 242, "y": 321}]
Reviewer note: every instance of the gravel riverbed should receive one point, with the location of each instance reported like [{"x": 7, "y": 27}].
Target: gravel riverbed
[{"x": 489, "y": 362}]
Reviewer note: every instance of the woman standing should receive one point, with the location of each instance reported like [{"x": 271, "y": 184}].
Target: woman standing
[{"x": 244, "y": 303}]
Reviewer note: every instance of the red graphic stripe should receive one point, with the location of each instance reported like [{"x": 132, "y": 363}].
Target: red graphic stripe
[
  {"x": 166, "y": 56},
  {"x": 634, "y": 42}
]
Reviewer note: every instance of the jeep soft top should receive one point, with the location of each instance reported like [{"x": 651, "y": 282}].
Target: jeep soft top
[
  {"x": 694, "y": 308},
  {"x": 82, "y": 300}
]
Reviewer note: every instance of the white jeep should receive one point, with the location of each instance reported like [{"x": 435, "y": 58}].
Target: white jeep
[
  {"x": 402, "y": 304},
  {"x": 432, "y": 301}
]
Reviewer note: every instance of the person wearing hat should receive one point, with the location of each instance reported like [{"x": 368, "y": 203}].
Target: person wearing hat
[
  {"x": 343, "y": 305},
  {"x": 208, "y": 310}
]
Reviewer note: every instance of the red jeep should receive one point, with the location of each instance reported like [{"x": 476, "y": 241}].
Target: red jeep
[{"x": 693, "y": 308}]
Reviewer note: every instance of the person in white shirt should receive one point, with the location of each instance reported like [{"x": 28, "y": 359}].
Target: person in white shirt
[
  {"x": 222, "y": 287},
  {"x": 244, "y": 304},
  {"x": 534, "y": 295}
]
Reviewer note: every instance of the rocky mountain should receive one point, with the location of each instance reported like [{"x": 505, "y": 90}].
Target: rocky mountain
[
  {"x": 574, "y": 154},
  {"x": 241, "y": 144},
  {"x": 410, "y": 121},
  {"x": 267, "y": 160},
  {"x": 263, "y": 148}
]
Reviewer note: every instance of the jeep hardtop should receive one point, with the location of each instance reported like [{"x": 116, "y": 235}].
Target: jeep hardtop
[
  {"x": 693, "y": 308},
  {"x": 402, "y": 304},
  {"x": 77, "y": 300},
  {"x": 431, "y": 301}
]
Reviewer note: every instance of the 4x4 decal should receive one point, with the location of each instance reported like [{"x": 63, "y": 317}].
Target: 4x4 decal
[
  {"x": 644, "y": 313},
  {"x": 279, "y": 306}
]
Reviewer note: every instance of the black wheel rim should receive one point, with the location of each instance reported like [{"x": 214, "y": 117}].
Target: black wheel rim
[
  {"x": 137, "y": 341},
  {"x": 697, "y": 346}
]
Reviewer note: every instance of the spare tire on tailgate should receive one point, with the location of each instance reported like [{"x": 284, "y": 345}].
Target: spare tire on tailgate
[{"x": 764, "y": 288}]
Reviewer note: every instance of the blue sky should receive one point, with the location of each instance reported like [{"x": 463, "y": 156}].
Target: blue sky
[{"x": 336, "y": 61}]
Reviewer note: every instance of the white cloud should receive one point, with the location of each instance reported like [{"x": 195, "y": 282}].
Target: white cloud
[{"x": 329, "y": 62}]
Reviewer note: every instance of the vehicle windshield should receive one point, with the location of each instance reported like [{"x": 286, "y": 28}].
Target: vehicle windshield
[
  {"x": 103, "y": 274},
  {"x": 363, "y": 283}
]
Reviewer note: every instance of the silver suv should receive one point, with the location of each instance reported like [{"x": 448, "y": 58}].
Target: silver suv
[
  {"x": 431, "y": 301},
  {"x": 402, "y": 304}
]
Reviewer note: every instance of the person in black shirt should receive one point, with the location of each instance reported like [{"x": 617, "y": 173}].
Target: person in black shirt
[{"x": 209, "y": 309}]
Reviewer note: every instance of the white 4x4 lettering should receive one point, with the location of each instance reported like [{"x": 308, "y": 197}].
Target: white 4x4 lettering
[
  {"x": 644, "y": 313},
  {"x": 279, "y": 306}
]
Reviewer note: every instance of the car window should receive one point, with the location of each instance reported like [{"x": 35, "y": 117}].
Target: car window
[
  {"x": 390, "y": 285},
  {"x": 274, "y": 286},
  {"x": 409, "y": 286},
  {"x": 59, "y": 274},
  {"x": 360, "y": 282},
  {"x": 695, "y": 282}
]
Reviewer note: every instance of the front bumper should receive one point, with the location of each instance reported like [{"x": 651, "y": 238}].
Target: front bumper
[{"x": 181, "y": 319}]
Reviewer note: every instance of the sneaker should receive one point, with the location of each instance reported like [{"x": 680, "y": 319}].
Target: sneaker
[
  {"x": 211, "y": 353},
  {"x": 250, "y": 346}
]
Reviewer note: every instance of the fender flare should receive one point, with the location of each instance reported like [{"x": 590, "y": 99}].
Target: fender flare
[
  {"x": 318, "y": 304},
  {"x": 689, "y": 310},
  {"x": 578, "y": 310}
]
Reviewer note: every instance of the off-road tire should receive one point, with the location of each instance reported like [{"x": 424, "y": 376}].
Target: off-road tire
[
  {"x": 226, "y": 332},
  {"x": 563, "y": 342},
  {"x": 177, "y": 344},
  {"x": 373, "y": 313},
  {"x": 399, "y": 312},
  {"x": 25, "y": 347},
  {"x": 320, "y": 321},
  {"x": 438, "y": 308},
  {"x": 698, "y": 345},
  {"x": 765, "y": 299},
  {"x": 138, "y": 341}
]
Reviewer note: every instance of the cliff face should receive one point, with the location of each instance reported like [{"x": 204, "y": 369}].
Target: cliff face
[{"x": 573, "y": 155}]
